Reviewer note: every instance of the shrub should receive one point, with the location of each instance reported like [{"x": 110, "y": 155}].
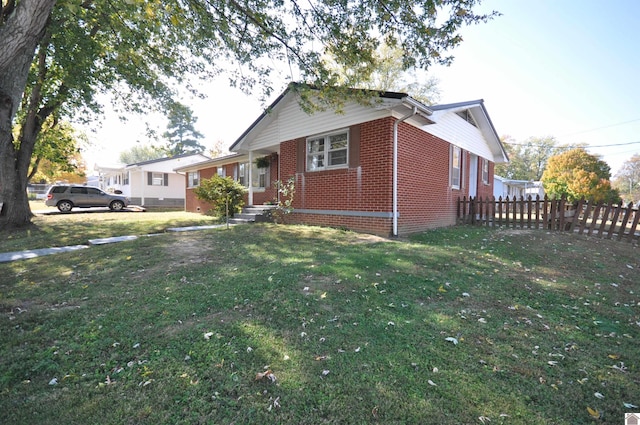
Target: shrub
[{"x": 218, "y": 191}]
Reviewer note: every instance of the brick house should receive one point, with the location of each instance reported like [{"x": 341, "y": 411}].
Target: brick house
[{"x": 393, "y": 167}]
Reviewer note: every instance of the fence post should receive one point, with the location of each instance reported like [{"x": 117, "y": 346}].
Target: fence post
[
  {"x": 625, "y": 220},
  {"x": 614, "y": 221},
  {"x": 594, "y": 219},
  {"x": 636, "y": 219}
]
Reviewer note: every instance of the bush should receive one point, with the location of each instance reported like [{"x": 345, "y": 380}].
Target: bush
[{"x": 218, "y": 190}]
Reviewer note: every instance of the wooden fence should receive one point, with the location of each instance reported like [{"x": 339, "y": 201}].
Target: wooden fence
[{"x": 606, "y": 221}]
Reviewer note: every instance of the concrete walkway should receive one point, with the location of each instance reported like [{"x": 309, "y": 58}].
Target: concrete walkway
[{"x": 33, "y": 253}]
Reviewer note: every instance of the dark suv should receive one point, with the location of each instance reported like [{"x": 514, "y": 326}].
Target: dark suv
[{"x": 66, "y": 197}]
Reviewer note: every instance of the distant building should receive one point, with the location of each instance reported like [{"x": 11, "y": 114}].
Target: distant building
[
  {"x": 151, "y": 183},
  {"x": 503, "y": 187}
]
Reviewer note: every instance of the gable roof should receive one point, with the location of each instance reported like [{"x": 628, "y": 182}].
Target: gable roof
[
  {"x": 388, "y": 101},
  {"x": 481, "y": 117},
  {"x": 166, "y": 158}
]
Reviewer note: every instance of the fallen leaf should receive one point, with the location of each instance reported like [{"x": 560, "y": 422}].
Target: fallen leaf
[
  {"x": 430, "y": 382},
  {"x": 452, "y": 339},
  {"x": 266, "y": 374},
  {"x": 208, "y": 335},
  {"x": 594, "y": 413},
  {"x": 482, "y": 320},
  {"x": 323, "y": 296},
  {"x": 441, "y": 289},
  {"x": 552, "y": 363},
  {"x": 614, "y": 356},
  {"x": 598, "y": 395},
  {"x": 630, "y": 406},
  {"x": 54, "y": 381},
  {"x": 325, "y": 372}
]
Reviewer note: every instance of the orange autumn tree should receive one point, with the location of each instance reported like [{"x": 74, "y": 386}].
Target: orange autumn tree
[{"x": 577, "y": 174}]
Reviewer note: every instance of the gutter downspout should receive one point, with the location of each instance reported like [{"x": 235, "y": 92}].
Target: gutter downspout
[
  {"x": 250, "y": 177},
  {"x": 395, "y": 167}
]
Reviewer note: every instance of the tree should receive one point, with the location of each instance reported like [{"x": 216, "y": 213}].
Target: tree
[
  {"x": 56, "y": 154},
  {"x": 627, "y": 180},
  {"x": 218, "y": 149},
  {"x": 182, "y": 137},
  {"x": 576, "y": 174},
  {"x": 143, "y": 52},
  {"x": 141, "y": 153},
  {"x": 224, "y": 193},
  {"x": 22, "y": 26},
  {"x": 388, "y": 74},
  {"x": 528, "y": 160}
]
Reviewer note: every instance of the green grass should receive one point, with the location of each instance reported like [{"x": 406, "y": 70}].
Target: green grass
[
  {"x": 57, "y": 229},
  {"x": 174, "y": 328}
]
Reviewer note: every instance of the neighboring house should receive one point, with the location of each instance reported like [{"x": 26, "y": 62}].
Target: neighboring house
[
  {"x": 393, "y": 167},
  {"x": 503, "y": 187},
  {"x": 151, "y": 183}
]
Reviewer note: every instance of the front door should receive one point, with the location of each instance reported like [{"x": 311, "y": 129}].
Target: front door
[{"x": 473, "y": 176}]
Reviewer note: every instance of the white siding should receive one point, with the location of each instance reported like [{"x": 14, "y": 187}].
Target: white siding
[
  {"x": 455, "y": 130},
  {"x": 291, "y": 122}
]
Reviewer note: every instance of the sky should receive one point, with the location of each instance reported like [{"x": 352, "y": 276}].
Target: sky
[{"x": 562, "y": 68}]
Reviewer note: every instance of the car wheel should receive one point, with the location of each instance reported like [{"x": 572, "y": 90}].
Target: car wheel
[
  {"x": 65, "y": 206},
  {"x": 116, "y": 205}
]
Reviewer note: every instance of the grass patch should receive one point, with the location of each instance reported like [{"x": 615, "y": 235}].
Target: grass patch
[
  {"x": 57, "y": 229},
  {"x": 174, "y": 329}
]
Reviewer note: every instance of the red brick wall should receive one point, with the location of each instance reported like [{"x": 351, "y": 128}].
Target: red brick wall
[
  {"x": 425, "y": 198},
  {"x": 192, "y": 203}
]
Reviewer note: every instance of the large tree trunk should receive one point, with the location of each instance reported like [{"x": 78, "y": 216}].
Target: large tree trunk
[{"x": 20, "y": 34}]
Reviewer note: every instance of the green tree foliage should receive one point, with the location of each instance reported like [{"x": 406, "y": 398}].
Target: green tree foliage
[
  {"x": 143, "y": 52},
  {"x": 141, "y": 153},
  {"x": 627, "y": 180},
  {"x": 389, "y": 74},
  {"x": 181, "y": 135},
  {"x": 57, "y": 155},
  {"x": 528, "y": 160},
  {"x": 577, "y": 174},
  {"x": 221, "y": 192}
]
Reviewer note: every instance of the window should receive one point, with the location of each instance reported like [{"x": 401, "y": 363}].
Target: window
[
  {"x": 221, "y": 172},
  {"x": 125, "y": 180},
  {"x": 328, "y": 151},
  {"x": 456, "y": 167},
  {"x": 242, "y": 173},
  {"x": 485, "y": 171},
  {"x": 259, "y": 176},
  {"x": 157, "y": 179},
  {"x": 193, "y": 178}
]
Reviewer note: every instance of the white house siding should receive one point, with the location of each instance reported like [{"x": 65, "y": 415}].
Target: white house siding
[
  {"x": 290, "y": 122},
  {"x": 140, "y": 192},
  {"x": 455, "y": 130}
]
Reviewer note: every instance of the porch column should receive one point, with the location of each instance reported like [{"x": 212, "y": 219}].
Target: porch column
[{"x": 250, "y": 197}]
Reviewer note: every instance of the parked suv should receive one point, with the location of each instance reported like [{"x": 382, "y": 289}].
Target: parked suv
[{"x": 66, "y": 197}]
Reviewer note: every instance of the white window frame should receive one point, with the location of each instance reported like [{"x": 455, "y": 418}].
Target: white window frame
[
  {"x": 242, "y": 173},
  {"x": 157, "y": 179},
  {"x": 485, "y": 171},
  {"x": 325, "y": 154},
  {"x": 221, "y": 171},
  {"x": 456, "y": 167},
  {"x": 259, "y": 177},
  {"x": 193, "y": 178}
]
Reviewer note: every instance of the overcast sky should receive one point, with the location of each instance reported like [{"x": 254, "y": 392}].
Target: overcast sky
[{"x": 562, "y": 68}]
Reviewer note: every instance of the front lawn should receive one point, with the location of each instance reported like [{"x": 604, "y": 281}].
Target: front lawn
[{"x": 303, "y": 325}]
